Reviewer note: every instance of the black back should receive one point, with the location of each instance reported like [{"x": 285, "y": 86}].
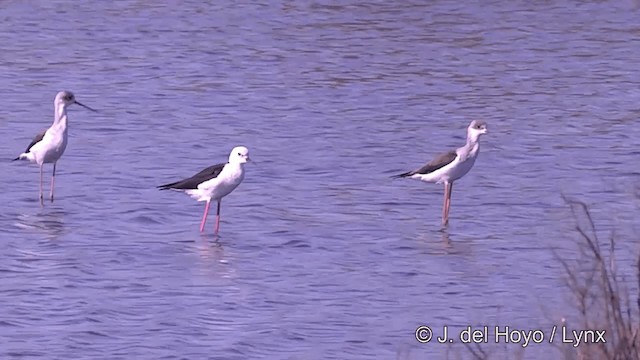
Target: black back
[
  {"x": 438, "y": 162},
  {"x": 192, "y": 183},
  {"x": 36, "y": 140}
]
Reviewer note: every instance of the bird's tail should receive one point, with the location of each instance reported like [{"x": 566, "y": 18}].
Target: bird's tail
[
  {"x": 403, "y": 175},
  {"x": 23, "y": 156},
  {"x": 167, "y": 186}
]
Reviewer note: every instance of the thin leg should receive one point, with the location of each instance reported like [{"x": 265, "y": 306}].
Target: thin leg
[
  {"x": 218, "y": 217},
  {"x": 41, "y": 196},
  {"x": 53, "y": 181},
  {"x": 450, "y": 190},
  {"x": 204, "y": 217},
  {"x": 444, "y": 204}
]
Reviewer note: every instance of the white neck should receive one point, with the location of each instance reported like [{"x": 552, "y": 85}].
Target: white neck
[
  {"x": 473, "y": 143},
  {"x": 472, "y": 139},
  {"x": 60, "y": 115},
  {"x": 233, "y": 170}
]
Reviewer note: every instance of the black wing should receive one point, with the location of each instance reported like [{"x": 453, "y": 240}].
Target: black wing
[
  {"x": 192, "y": 183},
  {"x": 440, "y": 161},
  {"x": 36, "y": 140}
]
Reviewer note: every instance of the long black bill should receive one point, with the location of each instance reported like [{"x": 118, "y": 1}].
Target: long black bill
[{"x": 85, "y": 106}]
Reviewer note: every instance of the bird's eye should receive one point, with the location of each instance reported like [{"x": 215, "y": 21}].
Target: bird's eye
[{"x": 239, "y": 154}]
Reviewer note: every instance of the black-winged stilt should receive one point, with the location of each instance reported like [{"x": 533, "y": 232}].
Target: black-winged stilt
[
  {"x": 451, "y": 166},
  {"x": 214, "y": 182},
  {"x": 49, "y": 145}
]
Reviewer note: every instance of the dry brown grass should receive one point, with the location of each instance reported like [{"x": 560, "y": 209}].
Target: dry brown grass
[
  {"x": 601, "y": 297},
  {"x": 601, "y": 293}
]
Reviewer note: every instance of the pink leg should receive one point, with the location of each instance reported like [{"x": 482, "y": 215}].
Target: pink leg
[
  {"x": 444, "y": 204},
  {"x": 53, "y": 181},
  {"x": 204, "y": 217},
  {"x": 448, "y": 202},
  {"x": 41, "y": 196},
  {"x": 218, "y": 218}
]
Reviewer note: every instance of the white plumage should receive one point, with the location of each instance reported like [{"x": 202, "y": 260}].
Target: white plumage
[
  {"x": 452, "y": 165},
  {"x": 222, "y": 185},
  {"x": 459, "y": 167},
  {"x": 48, "y": 146},
  {"x": 214, "y": 182}
]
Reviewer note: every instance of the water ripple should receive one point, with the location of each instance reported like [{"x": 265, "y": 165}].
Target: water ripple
[{"x": 321, "y": 255}]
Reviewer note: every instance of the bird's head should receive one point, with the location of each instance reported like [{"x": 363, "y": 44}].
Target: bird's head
[
  {"x": 66, "y": 99},
  {"x": 239, "y": 155},
  {"x": 476, "y": 128}
]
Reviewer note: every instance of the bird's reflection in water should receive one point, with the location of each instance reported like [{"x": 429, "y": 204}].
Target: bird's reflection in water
[
  {"x": 210, "y": 248},
  {"x": 49, "y": 222},
  {"x": 446, "y": 240},
  {"x": 441, "y": 242},
  {"x": 214, "y": 264}
]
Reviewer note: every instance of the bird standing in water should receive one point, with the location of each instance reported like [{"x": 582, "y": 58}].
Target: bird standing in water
[
  {"x": 451, "y": 166},
  {"x": 214, "y": 182},
  {"x": 49, "y": 145}
]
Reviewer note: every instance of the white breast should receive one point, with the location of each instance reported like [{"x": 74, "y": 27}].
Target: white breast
[
  {"x": 51, "y": 147},
  {"x": 465, "y": 162},
  {"x": 462, "y": 168},
  {"x": 454, "y": 170},
  {"x": 228, "y": 180}
]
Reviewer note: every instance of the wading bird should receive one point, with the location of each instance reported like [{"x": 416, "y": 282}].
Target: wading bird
[
  {"x": 49, "y": 145},
  {"x": 451, "y": 166},
  {"x": 214, "y": 182}
]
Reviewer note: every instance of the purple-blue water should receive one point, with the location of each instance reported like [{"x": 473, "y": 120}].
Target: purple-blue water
[{"x": 321, "y": 255}]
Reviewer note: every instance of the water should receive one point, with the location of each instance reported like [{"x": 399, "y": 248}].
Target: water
[{"x": 321, "y": 255}]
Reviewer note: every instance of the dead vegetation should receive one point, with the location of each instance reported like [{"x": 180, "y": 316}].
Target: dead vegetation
[
  {"x": 601, "y": 295},
  {"x": 601, "y": 292}
]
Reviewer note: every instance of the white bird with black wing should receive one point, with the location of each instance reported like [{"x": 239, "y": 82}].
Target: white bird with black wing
[
  {"x": 214, "y": 182},
  {"x": 49, "y": 145},
  {"x": 451, "y": 166}
]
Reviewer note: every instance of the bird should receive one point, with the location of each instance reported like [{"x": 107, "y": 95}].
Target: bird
[
  {"x": 450, "y": 166},
  {"x": 214, "y": 182},
  {"x": 49, "y": 145}
]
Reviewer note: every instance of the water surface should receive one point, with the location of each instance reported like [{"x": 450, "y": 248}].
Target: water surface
[{"x": 321, "y": 254}]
